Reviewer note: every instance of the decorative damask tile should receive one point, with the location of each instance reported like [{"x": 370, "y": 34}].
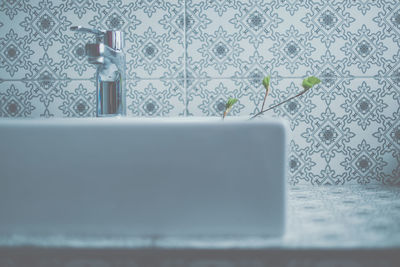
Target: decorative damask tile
[
  {"x": 79, "y": 7},
  {"x": 220, "y": 34},
  {"x": 365, "y": 103},
  {"x": 363, "y": 50},
  {"x": 149, "y": 53},
  {"x": 12, "y": 7},
  {"x": 388, "y": 19},
  {"x": 328, "y": 134},
  {"x": 115, "y": 15},
  {"x": 46, "y": 81},
  {"x": 209, "y": 98},
  {"x": 15, "y": 101},
  {"x": 328, "y": 20},
  {"x": 256, "y": 22},
  {"x": 390, "y": 77},
  {"x": 300, "y": 164},
  {"x": 154, "y": 98},
  {"x": 79, "y": 100},
  {"x": 364, "y": 6},
  {"x": 377, "y": 45},
  {"x": 363, "y": 163},
  {"x": 253, "y": 89},
  {"x": 149, "y": 7},
  {"x": 220, "y": 50},
  {"x": 292, "y": 6},
  {"x": 327, "y": 176},
  {"x": 176, "y": 88},
  {"x": 393, "y": 177},
  {"x": 388, "y": 134},
  {"x": 292, "y": 51},
  {"x": 195, "y": 76},
  {"x": 256, "y": 68},
  {"x": 157, "y": 41},
  {"x": 173, "y": 20},
  {"x": 335, "y": 78},
  {"x": 15, "y": 53},
  {"x": 297, "y": 110},
  {"x": 45, "y": 23},
  {"x": 196, "y": 18},
  {"x": 72, "y": 54}
]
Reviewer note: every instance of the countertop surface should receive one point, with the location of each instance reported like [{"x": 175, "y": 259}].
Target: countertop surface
[{"x": 328, "y": 217}]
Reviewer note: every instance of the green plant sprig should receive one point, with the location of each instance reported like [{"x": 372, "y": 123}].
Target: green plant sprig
[
  {"x": 307, "y": 84},
  {"x": 265, "y": 82},
  {"x": 228, "y": 106}
]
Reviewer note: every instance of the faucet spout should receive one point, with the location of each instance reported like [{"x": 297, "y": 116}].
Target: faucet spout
[{"x": 86, "y": 30}]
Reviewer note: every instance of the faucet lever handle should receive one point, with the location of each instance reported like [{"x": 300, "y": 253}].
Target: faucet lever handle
[{"x": 86, "y": 30}]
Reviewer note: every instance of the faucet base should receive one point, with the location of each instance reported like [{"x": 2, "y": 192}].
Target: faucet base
[{"x": 109, "y": 99}]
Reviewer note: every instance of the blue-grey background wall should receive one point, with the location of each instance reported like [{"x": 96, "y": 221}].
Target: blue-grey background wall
[{"x": 186, "y": 57}]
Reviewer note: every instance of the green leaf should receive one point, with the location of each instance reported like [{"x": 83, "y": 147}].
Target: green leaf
[
  {"x": 309, "y": 82},
  {"x": 228, "y": 106},
  {"x": 230, "y": 103},
  {"x": 266, "y": 82}
]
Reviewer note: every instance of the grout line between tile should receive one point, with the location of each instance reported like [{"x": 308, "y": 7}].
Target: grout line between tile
[
  {"x": 185, "y": 84},
  {"x": 185, "y": 112}
]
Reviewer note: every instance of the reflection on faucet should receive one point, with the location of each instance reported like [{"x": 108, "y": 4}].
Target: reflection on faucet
[{"x": 109, "y": 57}]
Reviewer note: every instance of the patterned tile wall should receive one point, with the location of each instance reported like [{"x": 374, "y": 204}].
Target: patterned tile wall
[{"x": 186, "y": 57}]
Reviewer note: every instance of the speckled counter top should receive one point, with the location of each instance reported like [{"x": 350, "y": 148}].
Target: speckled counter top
[
  {"x": 347, "y": 226},
  {"x": 326, "y": 217},
  {"x": 340, "y": 217},
  {"x": 344, "y": 217}
]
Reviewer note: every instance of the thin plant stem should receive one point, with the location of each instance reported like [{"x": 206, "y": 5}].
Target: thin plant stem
[
  {"x": 265, "y": 97},
  {"x": 277, "y": 105}
]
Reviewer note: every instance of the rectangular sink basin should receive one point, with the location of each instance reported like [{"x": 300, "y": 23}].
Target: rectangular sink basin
[{"x": 143, "y": 177}]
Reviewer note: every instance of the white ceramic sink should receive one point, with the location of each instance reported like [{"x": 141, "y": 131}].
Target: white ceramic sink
[{"x": 150, "y": 177}]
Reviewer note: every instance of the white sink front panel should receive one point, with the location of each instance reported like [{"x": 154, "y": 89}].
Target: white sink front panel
[{"x": 157, "y": 177}]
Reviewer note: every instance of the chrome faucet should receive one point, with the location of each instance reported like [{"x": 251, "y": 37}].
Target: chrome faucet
[{"x": 107, "y": 54}]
